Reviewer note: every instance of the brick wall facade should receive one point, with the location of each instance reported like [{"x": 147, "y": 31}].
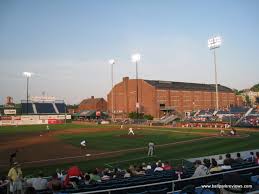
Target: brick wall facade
[
  {"x": 98, "y": 104},
  {"x": 151, "y": 99}
]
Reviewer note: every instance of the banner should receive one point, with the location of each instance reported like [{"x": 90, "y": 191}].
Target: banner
[
  {"x": 55, "y": 121},
  {"x": 10, "y": 111}
]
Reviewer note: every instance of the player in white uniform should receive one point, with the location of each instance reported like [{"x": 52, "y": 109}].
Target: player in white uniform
[
  {"x": 151, "y": 149},
  {"x": 47, "y": 128},
  {"x": 222, "y": 132},
  {"x": 131, "y": 131},
  {"x": 83, "y": 144}
]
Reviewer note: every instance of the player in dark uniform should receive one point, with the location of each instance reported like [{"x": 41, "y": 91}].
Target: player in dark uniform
[{"x": 13, "y": 157}]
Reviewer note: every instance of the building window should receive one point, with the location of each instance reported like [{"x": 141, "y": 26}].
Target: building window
[{"x": 162, "y": 105}]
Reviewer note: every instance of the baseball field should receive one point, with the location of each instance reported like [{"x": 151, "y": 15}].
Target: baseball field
[{"x": 110, "y": 146}]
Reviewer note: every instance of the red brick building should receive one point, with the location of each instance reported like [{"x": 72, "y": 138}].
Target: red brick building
[
  {"x": 97, "y": 104},
  {"x": 157, "y": 96}
]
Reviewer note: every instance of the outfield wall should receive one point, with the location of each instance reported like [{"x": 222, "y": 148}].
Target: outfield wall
[{"x": 33, "y": 120}]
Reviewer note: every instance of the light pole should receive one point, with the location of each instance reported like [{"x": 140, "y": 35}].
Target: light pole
[
  {"x": 112, "y": 62},
  {"x": 135, "y": 59},
  {"x": 27, "y": 75},
  {"x": 214, "y": 43}
]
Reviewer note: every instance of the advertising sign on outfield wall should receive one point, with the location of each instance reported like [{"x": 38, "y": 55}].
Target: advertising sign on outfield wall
[
  {"x": 33, "y": 119},
  {"x": 29, "y": 117},
  {"x": 10, "y": 111},
  {"x": 55, "y": 121}
]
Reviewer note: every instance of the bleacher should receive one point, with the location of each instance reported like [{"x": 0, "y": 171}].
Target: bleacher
[
  {"x": 61, "y": 107},
  {"x": 238, "y": 110},
  {"x": 24, "y": 108},
  {"x": 45, "y": 108}
]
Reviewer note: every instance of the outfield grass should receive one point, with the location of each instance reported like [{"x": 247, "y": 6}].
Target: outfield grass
[{"x": 38, "y": 128}]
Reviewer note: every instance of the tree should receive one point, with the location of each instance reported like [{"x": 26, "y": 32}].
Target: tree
[
  {"x": 255, "y": 88},
  {"x": 247, "y": 100},
  {"x": 135, "y": 115},
  {"x": 148, "y": 117},
  {"x": 237, "y": 92}
]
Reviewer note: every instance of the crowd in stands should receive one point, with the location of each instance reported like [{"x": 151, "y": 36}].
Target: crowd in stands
[
  {"x": 228, "y": 115},
  {"x": 212, "y": 166},
  {"x": 74, "y": 177}
]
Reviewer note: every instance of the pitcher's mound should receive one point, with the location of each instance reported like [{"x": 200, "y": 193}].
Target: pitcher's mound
[{"x": 131, "y": 136}]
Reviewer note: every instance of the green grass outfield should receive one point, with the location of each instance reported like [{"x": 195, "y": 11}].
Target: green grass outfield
[
  {"x": 39, "y": 128},
  {"x": 109, "y": 141}
]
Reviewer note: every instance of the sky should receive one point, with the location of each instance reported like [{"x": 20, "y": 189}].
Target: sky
[{"x": 67, "y": 44}]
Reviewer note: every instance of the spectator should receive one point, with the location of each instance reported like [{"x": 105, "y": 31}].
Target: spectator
[
  {"x": 220, "y": 160},
  {"x": 106, "y": 175},
  {"x": 74, "y": 174},
  {"x": 239, "y": 160},
  {"x": 179, "y": 172},
  {"x": 250, "y": 158},
  {"x": 87, "y": 179},
  {"x": 56, "y": 187},
  {"x": 55, "y": 178},
  {"x": 257, "y": 158},
  {"x": 200, "y": 170},
  {"x": 128, "y": 173},
  {"x": 15, "y": 177},
  {"x": 140, "y": 170},
  {"x": 94, "y": 177},
  {"x": 149, "y": 169},
  {"x": 159, "y": 167},
  {"x": 3, "y": 184},
  {"x": 229, "y": 159},
  {"x": 60, "y": 174},
  {"x": 167, "y": 166},
  {"x": 226, "y": 165},
  {"x": 214, "y": 166},
  {"x": 206, "y": 163},
  {"x": 38, "y": 183}
]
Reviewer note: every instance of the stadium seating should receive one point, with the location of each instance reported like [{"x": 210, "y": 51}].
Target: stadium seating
[
  {"x": 61, "y": 107},
  {"x": 45, "y": 108},
  {"x": 24, "y": 108},
  {"x": 238, "y": 110}
]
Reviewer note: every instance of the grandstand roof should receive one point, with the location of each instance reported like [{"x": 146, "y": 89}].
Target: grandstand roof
[{"x": 186, "y": 86}]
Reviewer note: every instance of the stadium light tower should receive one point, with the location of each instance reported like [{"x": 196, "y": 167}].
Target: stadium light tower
[
  {"x": 112, "y": 62},
  {"x": 214, "y": 43},
  {"x": 27, "y": 75},
  {"x": 135, "y": 59}
]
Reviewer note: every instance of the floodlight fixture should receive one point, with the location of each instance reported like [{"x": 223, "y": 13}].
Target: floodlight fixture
[
  {"x": 214, "y": 42},
  {"x": 135, "y": 58},
  {"x": 111, "y": 61},
  {"x": 27, "y": 74}
]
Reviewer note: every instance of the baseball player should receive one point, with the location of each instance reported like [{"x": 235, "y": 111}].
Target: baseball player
[
  {"x": 222, "y": 132},
  {"x": 83, "y": 144},
  {"x": 151, "y": 149},
  {"x": 47, "y": 128},
  {"x": 131, "y": 131},
  {"x": 233, "y": 132}
]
